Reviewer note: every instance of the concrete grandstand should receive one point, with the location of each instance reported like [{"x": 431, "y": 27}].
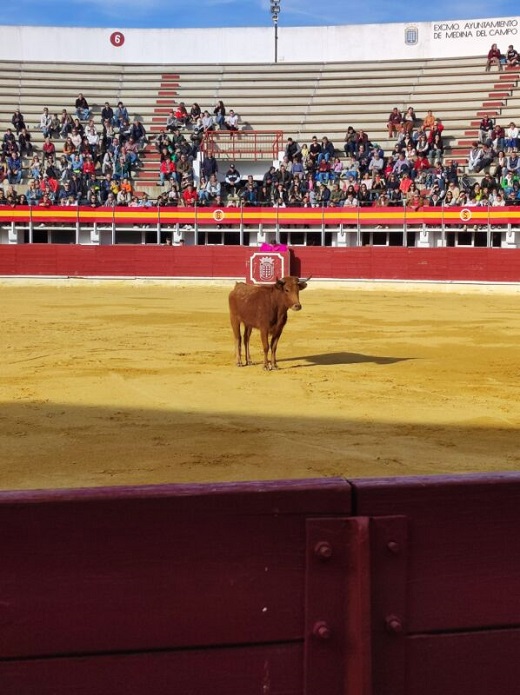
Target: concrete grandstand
[{"x": 437, "y": 67}]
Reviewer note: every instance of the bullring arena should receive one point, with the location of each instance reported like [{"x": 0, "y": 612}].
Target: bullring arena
[
  {"x": 123, "y": 383},
  {"x": 344, "y": 525}
]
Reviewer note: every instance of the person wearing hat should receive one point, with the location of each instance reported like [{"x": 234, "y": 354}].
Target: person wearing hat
[{"x": 232, "y": 180}]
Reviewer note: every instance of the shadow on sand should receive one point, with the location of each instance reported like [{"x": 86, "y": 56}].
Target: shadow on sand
[{"x": 335, "y": 358}]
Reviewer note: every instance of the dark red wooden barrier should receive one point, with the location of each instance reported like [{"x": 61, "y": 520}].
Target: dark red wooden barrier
[
  {"x": 357, "y": 263},
  {"x": 383, "y": 587}
]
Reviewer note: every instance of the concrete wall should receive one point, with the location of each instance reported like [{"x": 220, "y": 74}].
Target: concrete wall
[{"x": 256, "y": 45}]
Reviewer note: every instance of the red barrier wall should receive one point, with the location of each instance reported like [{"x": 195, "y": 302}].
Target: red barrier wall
[
  {"x": 400, "y": 586},
  {"x": 367, "y": 262}
]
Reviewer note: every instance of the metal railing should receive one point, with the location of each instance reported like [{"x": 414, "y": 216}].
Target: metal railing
[{"x": 243, "y": 144}]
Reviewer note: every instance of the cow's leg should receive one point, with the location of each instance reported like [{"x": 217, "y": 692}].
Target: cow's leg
[
  {"x": 235, "y": 325},
  {"x": 274, "y": 345},
  {"x": 247, "y": 336},
  {"x": 265, "y": 344}
]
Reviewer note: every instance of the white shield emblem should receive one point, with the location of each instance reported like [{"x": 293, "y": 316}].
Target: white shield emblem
[{"x": 266, "y": 269}]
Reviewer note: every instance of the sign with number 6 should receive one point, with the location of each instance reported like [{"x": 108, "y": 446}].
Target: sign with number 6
[{"x": 117, "y": 39}]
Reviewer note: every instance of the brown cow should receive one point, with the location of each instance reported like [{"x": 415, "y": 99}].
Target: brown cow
[{"x": 264, "y": 307}]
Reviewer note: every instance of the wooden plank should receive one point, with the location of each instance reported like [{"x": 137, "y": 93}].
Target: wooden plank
[
  {"x": 388, "y": 568},
  {"x": 464, "y": 547},
  {"x": 478, "y": 663},
  {"x": 155, "y": 568},
  {"x": 267, "y": 669}
]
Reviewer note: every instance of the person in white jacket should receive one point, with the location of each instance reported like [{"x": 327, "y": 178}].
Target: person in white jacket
[
  {"x": 45, "y": 122},
  {"x": 474, "y": 157},
  {"x": 511, "y": 141}
]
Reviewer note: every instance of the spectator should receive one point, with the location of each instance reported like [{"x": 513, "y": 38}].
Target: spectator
[
  {"x": 35, "y": 167},
  {"x": 323, "y": 171},
  {"x": 82, "y": 108},
  {"x": 33, "y": 193},
  {"x": 9, "y": 142},
  {"x": 494, "y": 58},
  {"x": 92, "y": 138},
  {"x": 409, "y": 120},
  {"x": 45, "y": 201},
  {"x": 337, "y": 196},
  {"x": 428, "y": 122},
  {"x": 213, "y": 190},
  {"x": 138, "y": 133},
  {"x": 208, "y": 121},
  {"x": 351, "y": 139},
  {"x": 249, "y": 195},
  {"x": 363, "y": 160},
  {"x": 279, "y": 197},
  {"x": 376, "y": 164},
  {"x": 18, "y": 121},
  {"x": 14, "y": 168},
  {"x": 485, "y": 128},
  {"x": 209, "y": 166},
  {"x": 171, "y": 122},
  {"x": 513, "y": 162},
  {"x": 500, "y": 167},
  {"x": 436, "y": 150},
  {"x": 497, "y": 137},
  {"x": 292, "y": 148},
  {"x": 181, "y": 114},
  {"x": 107, "y": 114},
  {"x": 197, "y": 136},
  {"x": 184, "y": 169},
  {"x": 65, "y": 124},
  {"x": 24, "y": 143},
  {"x": 195, "y": 113},
  {"x": 232, "y": 180},
  {"x": 420, "y": 167},
  {"x": 326, "y": 151},
  {"x": 219, "y": 113},
  {"x": 401, "y": 166},
  {"x": 189, "y": 196},
  {"x": 508, "y": 182},
  {"x": 55, "y": 126},
  {"x": 231, "y": 121},
  {"x": 121, "y": 117},
  {"x": 283, "y": 176},
  {"x": 45, "y": 122},
  {"x": 488, "y": 155},
  {"x": 336, "y": 169},
  {"x": 364, "y": 196},
  {"x": 167, "y": 169},
  {"x": 145, "y": 202},
  {"x": 512, "y": 57},
  {"x": 438, "y": 127},
  {"x": 110, "y": 202},
  {"x": 511, "y": 137},
  {"x": 474, "y": 157},
  {"x": 394, "y": 122}
]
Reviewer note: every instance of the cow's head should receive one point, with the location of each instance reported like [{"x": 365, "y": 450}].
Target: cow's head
[{"x": 291, "y": 286}]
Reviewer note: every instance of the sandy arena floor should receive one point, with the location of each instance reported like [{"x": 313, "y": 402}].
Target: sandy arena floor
[{"x": 118, "y": 383}]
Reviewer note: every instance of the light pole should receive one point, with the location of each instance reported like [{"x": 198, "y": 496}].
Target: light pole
[{"x": 275, "y": 11}]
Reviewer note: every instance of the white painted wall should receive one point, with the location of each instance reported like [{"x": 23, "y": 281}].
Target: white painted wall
[{"x": 256, "y": 44}]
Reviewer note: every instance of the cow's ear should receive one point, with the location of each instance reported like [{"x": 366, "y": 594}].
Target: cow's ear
[
  {"x": 279, "y": 283},
  {"x": 302, "y": 285}
]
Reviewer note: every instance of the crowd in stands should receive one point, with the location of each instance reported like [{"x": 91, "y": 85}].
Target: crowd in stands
[{"x": 88, "y": 162}]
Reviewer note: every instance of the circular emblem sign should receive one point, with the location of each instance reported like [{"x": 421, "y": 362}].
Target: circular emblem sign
[
  {"x": 218, "y": 215},
  {"x": 465, "y": 215},
  {"x": 117, "y": 39}
]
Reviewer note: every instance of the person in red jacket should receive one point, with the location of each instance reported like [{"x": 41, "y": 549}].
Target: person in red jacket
[
  {"x": 190, "y": 196},
  {"x": 166, "y": 169},
  {"x": 494, "y": 58}
]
